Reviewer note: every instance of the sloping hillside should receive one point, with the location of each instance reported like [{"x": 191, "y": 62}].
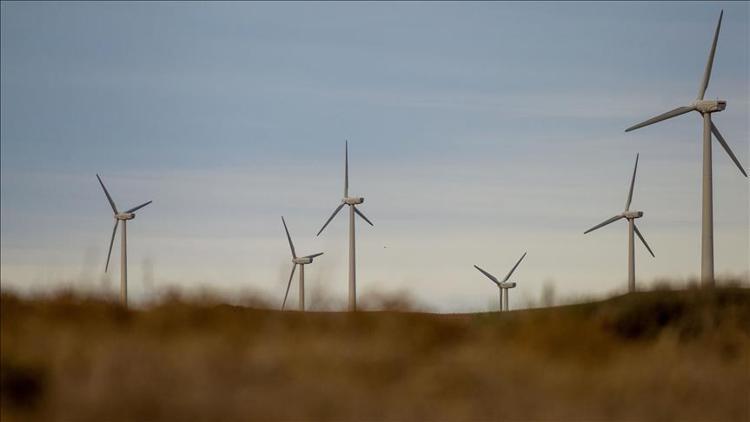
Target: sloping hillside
[{"x": 681, "y": 355}]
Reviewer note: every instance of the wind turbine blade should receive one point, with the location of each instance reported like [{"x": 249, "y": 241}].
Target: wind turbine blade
[
  {"x": 640, "y": 236},
  {"x": 362, "y": 215},
  {"x": 134, "y": 209},
  {"x": 313, "y": 255},
  {"x": 632, "y": 183},
  {"x": 336, "y": 211},
  {"x": 112, "y": 241},
  {"x": 611, "y": 220},
  {"x": 514, "y": 268},
  {"x": 346, "y": 169},
  {"x": 490, "y": 276},
  {"x": 294, "y": 266},
  {"x": 668, "y": 115},
  {"x": 289, "y": 238},
  {"x": 724, "y": 144},
  {"x": 710, "y": 62},
  {"x": 109, "y": 198}
]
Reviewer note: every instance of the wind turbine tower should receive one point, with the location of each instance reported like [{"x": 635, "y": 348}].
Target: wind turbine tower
[
  {"x": 352, "y": 202},
  {"x": 503, "y": 286},
  {"x": 121, "y": 217},
  {"x": 630, "y": 216},
  {"x": 301, "y": 262}
]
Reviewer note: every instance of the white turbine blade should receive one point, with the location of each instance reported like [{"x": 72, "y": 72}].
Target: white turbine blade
[
  {"x": 346, "y": 169},
  {"x": 330, "y": 218},
  {"x": 134, "y": 209},
  {"x": 611, "y": 220},
  {"x": 294, "y": 266},
  {"x": 112, "y": 241},
  {"x": 632, "y": 183},
  {"x": 710, "y": 62},
  {"x": 313, "y": 255},
  {"x": 668, "y": 115},
  {"x": 724, "y": 144},
  {"x": 514, "y": 268},
  {"x": 640, "y": 236},
  {"x": 362, "y": 215},
  {"x": 289, "y": 238},
  {"x": 490, "y": 276},
  {"x": 109, "y": 198}
]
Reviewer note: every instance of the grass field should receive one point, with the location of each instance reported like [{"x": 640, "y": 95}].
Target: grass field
[{"x": 662, "y": 356}]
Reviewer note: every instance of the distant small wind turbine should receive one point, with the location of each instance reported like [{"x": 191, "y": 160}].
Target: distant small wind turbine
[
  {"x": 352, "y": 202},
  {"x": 301, "y": 261},
  {"x": 503, "y": 285},
  {"x": 124, "y": 217},
  {"x": 630, "y": 216},
  {"x": 705, "y": 108}
]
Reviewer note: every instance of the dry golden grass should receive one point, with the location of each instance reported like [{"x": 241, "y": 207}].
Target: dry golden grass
[{"x": 662, "y": 356}]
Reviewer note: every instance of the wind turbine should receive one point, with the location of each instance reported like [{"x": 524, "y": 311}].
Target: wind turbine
[
  {"x": 503, "y": 285},
  {"x": 352, "y": 202},
  {"x": 124, "y": 217},
  {"x": 630, "y": 216},
  {"x": 301, "y": 261},
  {"x": 705, "y": 108}
]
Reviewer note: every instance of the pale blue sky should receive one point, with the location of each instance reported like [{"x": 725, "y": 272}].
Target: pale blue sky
[{"x": 477, "y": 131}]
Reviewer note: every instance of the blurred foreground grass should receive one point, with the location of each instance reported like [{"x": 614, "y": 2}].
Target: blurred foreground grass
[{"x": 662, "y": 355}]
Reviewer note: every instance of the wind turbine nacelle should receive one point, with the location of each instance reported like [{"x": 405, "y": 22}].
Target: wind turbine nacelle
[
  {"x": 633, "y": 214},
  {"x": 125, "y": 216},
  {"x": 353, "y": 201},
  {"x": 710, "y": 106},
  {"x": 302, "y": 261},
  {"x": 508, "y": 285}
]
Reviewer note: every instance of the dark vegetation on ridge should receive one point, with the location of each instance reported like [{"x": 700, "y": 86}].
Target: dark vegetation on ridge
[{"x": 660, "y": 355}]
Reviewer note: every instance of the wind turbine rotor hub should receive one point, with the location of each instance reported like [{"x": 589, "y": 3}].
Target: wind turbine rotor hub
[
  {"x": 353, "y": 201},
  {"x": 302, "y": 261},
  {"x": 710, "y": 106},
  {"x": 508, "y": 285},
  {"x": 632, "y": 214},
  {"x": 125, "y": 216}
]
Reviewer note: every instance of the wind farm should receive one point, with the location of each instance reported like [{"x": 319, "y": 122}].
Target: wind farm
[
  {"x": 481, "y": 133},
  {"x": 706, "y": 108}
]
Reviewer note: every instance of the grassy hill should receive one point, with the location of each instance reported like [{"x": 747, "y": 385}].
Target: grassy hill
[{"x": 662, "y": 355}]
